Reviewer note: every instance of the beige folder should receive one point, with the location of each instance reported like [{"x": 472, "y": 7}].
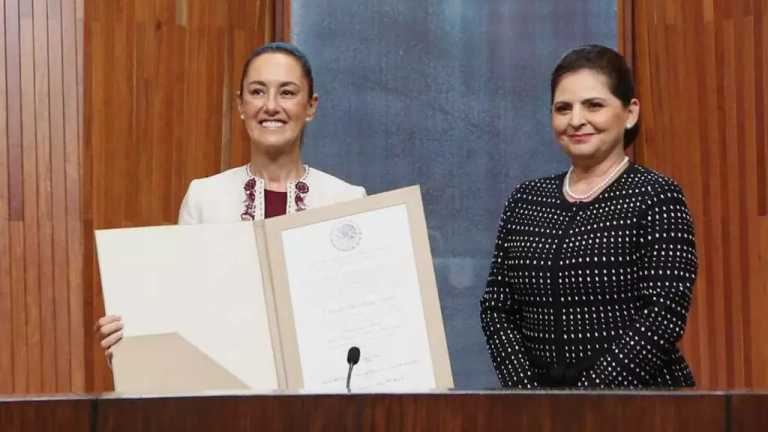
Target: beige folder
[
  {"x": 203, "y": 282},
  {"x": 168, "y": 363},
  {"x": 232, "y": 294}
]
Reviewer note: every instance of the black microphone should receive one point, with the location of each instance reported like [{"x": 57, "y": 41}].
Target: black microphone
[{"x": 353, "y": 356}]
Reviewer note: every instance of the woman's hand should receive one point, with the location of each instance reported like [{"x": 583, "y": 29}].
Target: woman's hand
[{"x": 110, "y": 328}]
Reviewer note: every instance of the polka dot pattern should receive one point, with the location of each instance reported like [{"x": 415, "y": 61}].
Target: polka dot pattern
[{"x": 592, "y": 294}]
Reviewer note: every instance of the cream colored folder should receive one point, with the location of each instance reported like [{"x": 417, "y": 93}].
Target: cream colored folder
[
  {"x": 275, "y": 304},
  {"x": 168, "y": 363},
  {"x": 203, "y": 282}
]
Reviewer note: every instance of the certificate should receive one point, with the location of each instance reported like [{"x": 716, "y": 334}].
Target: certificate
[{"x": 359, "y": 274}]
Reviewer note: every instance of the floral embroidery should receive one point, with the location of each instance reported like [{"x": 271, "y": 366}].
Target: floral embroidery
[
  {"x": 253, "y": 187},
  {"x": 254, "y": 195},
  {"x": 302, "y": 189}
]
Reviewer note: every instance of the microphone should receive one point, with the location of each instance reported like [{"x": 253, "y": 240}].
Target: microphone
[{"x": 353, "y": 356}]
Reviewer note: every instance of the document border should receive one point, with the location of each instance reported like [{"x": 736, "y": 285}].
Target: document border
[{"x": 411, "y": 198}]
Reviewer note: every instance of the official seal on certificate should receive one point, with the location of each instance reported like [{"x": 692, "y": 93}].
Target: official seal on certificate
[{"x": 346, "y": 235}]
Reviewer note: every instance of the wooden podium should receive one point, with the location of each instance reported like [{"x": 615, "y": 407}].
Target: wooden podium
[{"x": 444, "y": 411}]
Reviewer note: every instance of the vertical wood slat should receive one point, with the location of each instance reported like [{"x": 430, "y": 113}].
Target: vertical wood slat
[
  {"x": 59, "y": 200},
  {"x": 6, "y": 326},
  {"x": 73, "y": 23},
  {"x": 730, "y": 189},
  {"x": 760, "y": 298},
  {"x": 701, "y": 73},
  {"x": 676, "y": 44},
  {"x": 13, "y": 77},
  {"x": 15, "y": 230},
  {"x": 710, "y": 241},
  {"x": 696, "y": 341},
  {"x": 747, "y": 181},
  {"x": 760, "y": 259},
  {"x": 30, "y": 183},
  {"x": 36, "y": 278},
  {"x": 282, "y": 20},
  {"x": 707, "y": 334},
  {"x": 761, "y": 159},
  {"x": 18, "y": 309},
  {"x": 44, "y": 198}
]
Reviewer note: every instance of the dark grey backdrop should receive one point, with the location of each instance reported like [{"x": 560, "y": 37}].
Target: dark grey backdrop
[{"x": 452, "y": 95}]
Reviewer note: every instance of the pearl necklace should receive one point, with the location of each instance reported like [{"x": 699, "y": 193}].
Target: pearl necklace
[{"x": 608, "y": 179}]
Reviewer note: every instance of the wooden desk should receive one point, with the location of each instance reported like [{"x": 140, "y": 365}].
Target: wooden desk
[{"x": 449, "y": 411}]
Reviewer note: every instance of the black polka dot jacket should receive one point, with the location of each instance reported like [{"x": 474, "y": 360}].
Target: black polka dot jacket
[{"x": 591, "y": 294}]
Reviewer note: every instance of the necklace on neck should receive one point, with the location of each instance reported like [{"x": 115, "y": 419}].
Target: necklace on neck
[{"x": 608, "y": 179}]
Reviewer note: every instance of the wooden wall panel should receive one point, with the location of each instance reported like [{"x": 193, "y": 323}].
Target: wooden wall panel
[
  {"x": 701, "y": 72},
  {"x": 160, "y": 83},
  {"x": 6, "y": 325},
  {"x": 60, "y": 309},
  {"x": 46, "y": 329},
  {"x": 159, "y": 111},
  {"x": 40, "y": 240}
]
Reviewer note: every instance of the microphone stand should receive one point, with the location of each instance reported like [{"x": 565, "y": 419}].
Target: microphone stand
[
  {"x": 353, "y": 356},
  {"x": 349, "y": 377}
]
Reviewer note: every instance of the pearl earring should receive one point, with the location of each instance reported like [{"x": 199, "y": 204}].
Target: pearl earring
[{"x": 242, "y": 117}]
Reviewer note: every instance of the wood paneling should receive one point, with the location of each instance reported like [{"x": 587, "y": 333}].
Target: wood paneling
[
  {"x": 6, "y": 326},
  {"x": 283, "y": 20},
  {"x": 158, "y": 110},
  {"x": 748, "y": 412},
  {"x": 41, "y": 321},
  {"x": 453, "y": 411},
  {"x": 422, "y": 412},
  {"x": 701, "y": 73},
  {"x": 52, "y": 415},
  {"x": 160, "y": 83}
]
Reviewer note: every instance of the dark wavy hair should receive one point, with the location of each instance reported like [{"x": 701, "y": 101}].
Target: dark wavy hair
[
  {"x": 608, "y": 63},
  {"x": 284, "y": 48}
]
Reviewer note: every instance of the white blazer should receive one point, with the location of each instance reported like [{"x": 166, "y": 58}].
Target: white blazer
[{"x": 220, "y": 198}]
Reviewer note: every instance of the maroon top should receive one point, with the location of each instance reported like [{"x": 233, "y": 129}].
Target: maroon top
[{"x": 274, "y": 203}]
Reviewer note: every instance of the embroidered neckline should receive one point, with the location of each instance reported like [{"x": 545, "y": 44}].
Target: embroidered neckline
[{"x": 254, "y": 195}]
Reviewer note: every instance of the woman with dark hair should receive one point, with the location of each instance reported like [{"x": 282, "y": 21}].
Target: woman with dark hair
[
  {"x": 592, "y": 275},
  {"x": 276, "y": 100}
]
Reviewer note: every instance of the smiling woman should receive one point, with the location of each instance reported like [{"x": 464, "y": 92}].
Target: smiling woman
[
  {"x": 593, "y": 269},
  {"x": 276, "y": 100}
]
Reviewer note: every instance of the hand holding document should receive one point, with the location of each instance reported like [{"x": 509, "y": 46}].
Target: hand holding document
[{"x": 278, "y": 303}]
